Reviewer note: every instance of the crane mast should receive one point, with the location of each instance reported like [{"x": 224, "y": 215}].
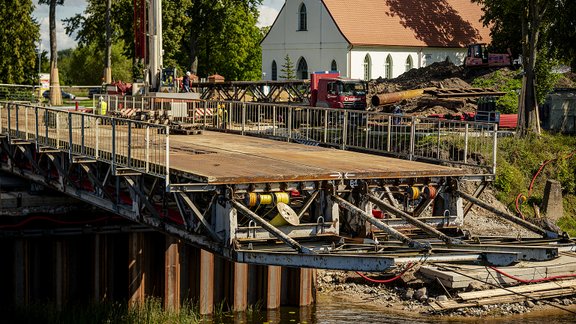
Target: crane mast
[{"x": 148, "y": 39}]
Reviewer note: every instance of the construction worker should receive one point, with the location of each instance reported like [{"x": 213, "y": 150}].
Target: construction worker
[
  {"x": 222, "y": 116},
  {"x": 186, "y": 82},
  {"x": 102, "y": 107}
]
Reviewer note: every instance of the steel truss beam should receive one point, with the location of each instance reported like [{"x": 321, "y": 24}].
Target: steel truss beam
[{"x": 196, "y": 202}]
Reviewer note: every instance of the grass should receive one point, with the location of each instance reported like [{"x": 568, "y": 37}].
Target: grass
[
  {"x": 520, "y": 159},
  {"x": 150, "y": 312}
]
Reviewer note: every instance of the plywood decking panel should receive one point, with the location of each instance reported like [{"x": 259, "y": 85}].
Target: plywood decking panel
[{"x": 226, "y": 158}]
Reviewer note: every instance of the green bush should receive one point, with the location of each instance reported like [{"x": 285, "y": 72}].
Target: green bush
[
  {"x": 502, "y": 80},
  {"x": 520, "y": 159}
]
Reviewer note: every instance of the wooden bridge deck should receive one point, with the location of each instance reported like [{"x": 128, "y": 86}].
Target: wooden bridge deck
[{"x": 221, "y": 158}]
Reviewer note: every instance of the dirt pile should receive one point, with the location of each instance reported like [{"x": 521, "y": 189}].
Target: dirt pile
[{"x": 437, "y": 75}]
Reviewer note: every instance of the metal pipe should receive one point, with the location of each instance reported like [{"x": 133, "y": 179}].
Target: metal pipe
[
  {"x": 390, "y": 98},
  {"x": 308, "y": 203},
  {"x": 414, "y": 221},
  {"x": 270, "y": 228},
  {"x": 372, "y": 220},
  {"x": 512, "y": 218}
]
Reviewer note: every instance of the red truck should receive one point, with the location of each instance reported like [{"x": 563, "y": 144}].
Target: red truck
[{"x": 329, "y": 90}]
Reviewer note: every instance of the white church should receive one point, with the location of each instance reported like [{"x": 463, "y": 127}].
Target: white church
[{"x": 368, "y": 39}]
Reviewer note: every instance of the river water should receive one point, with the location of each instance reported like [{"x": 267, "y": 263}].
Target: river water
[{"x": 331, "y": 310}]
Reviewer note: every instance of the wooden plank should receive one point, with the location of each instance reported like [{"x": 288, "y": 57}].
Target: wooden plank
[
  {"x": 518, "y": 290},
  {"x": 513, "y": 298},
  {"x": 524, "y": 270}
]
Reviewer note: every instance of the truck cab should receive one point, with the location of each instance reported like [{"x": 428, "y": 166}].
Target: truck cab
[
  {"x": 331, "y": 91},
  {"x": 478, "y": 56}
]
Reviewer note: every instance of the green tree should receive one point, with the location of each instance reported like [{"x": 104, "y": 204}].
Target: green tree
[
  {"x": 91, "y": 58},
  {"x": 202, "y": 36},
  {"x": 563, "y": 33},
  {"x": 235, "y": 51},
  {"x": 287, "y": 69},
  {"x": 534, "y": 20},
  {"x": 55, "y": 95},
  {"x": 18, "y": 34}
]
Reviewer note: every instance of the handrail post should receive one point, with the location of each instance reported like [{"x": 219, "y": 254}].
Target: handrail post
[
  {"x": 494, "y": 149},
  {"x": 389, "y": 135},
  {"x": 147, "y": 158},
  {"x": 167, "y": 158},
  {"x": 37, "y": 127},
  {"x": 57, "y": 118},
  {"x": 325, "y": 125},
  {"x": 17, "y": 121},
  {"x": 367, "y": 142},
  {"x": 26, "y": 122},
  {"x": 83, "y": 135},
  {"x": 345, "y": 130},
  {"x": 465, "y": 144},
  {"x": 97, "y": 152},
  {"x": 113, "y": 120},
  {"x": 274, "y": 120},
  {"x": 243, "y": 118},
  {"x": 129, "y": 144},
  {"x": 412, "y": 138},
  {"x": 9, "y": 123},
  {"x": 70, "y": 143},
  {"x": 290, "y": 112}
]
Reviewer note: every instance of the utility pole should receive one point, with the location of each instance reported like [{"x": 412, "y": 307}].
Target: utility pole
[{"x": 108, "y": 59}]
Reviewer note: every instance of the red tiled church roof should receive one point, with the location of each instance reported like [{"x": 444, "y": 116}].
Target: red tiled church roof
[{"x": 431, "y": 23}]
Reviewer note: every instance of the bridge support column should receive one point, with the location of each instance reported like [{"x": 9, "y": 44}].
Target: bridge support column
[
  {"x": 307, "y": 286},
  {"x": 101, "y": 264},
  {"x": 61, "y": 273},
  {"x": 206, "y": 283},
  {"x": 274, "y": 292},
  {"x": 21, "y": 280},
  {"x": 172, "y": 274},
  {"x": 136, "y": 272},
  {"x": 240, "y": 287}
]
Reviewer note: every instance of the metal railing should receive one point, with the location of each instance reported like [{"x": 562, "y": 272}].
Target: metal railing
[
  {"x": 123, "y": 143},
  {"x": 415, "y": 138}
]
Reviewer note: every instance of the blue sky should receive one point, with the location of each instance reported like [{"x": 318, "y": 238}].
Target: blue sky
[{"x": 268, "y": 12}]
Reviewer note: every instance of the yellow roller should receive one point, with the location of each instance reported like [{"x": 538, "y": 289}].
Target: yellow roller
[
  {"x": 266, "y": 199},
  {"x": 282, "y": 197},
  {"x": 285, "y": 216},
  {"x": 413, "y": 193}
]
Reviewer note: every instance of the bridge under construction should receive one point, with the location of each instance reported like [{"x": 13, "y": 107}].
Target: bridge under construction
[{"x": 275, "y": 185}]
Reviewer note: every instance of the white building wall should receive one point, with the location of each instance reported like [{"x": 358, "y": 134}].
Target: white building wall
[
  {"x": 321, "y": 43},
  {"x": 421, "y": 56}
]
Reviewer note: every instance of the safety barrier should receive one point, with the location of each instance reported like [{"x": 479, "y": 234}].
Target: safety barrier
[
  {"x": 123, "y": 143},
  {"x": 416, "y": 138}
]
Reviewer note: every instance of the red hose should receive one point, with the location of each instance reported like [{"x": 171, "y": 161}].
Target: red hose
[
  {"x": 534, "y": 179},
  {"x": 410, "y": 265},
  {"x": 533, "y": 280}
]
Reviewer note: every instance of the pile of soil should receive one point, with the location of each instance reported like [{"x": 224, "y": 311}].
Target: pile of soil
[{"x": 437, "y": 75}]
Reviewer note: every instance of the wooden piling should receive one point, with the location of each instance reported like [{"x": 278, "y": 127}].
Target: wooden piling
[
  {"x": 172, "y": 274},
  {"x": 240, "y": 287},
  {"x": 206, "y": 283},
  {"x": 136, "y": 272},
  {"x": 273, "y": 297},
  {"x": 307, "y": 280}
]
